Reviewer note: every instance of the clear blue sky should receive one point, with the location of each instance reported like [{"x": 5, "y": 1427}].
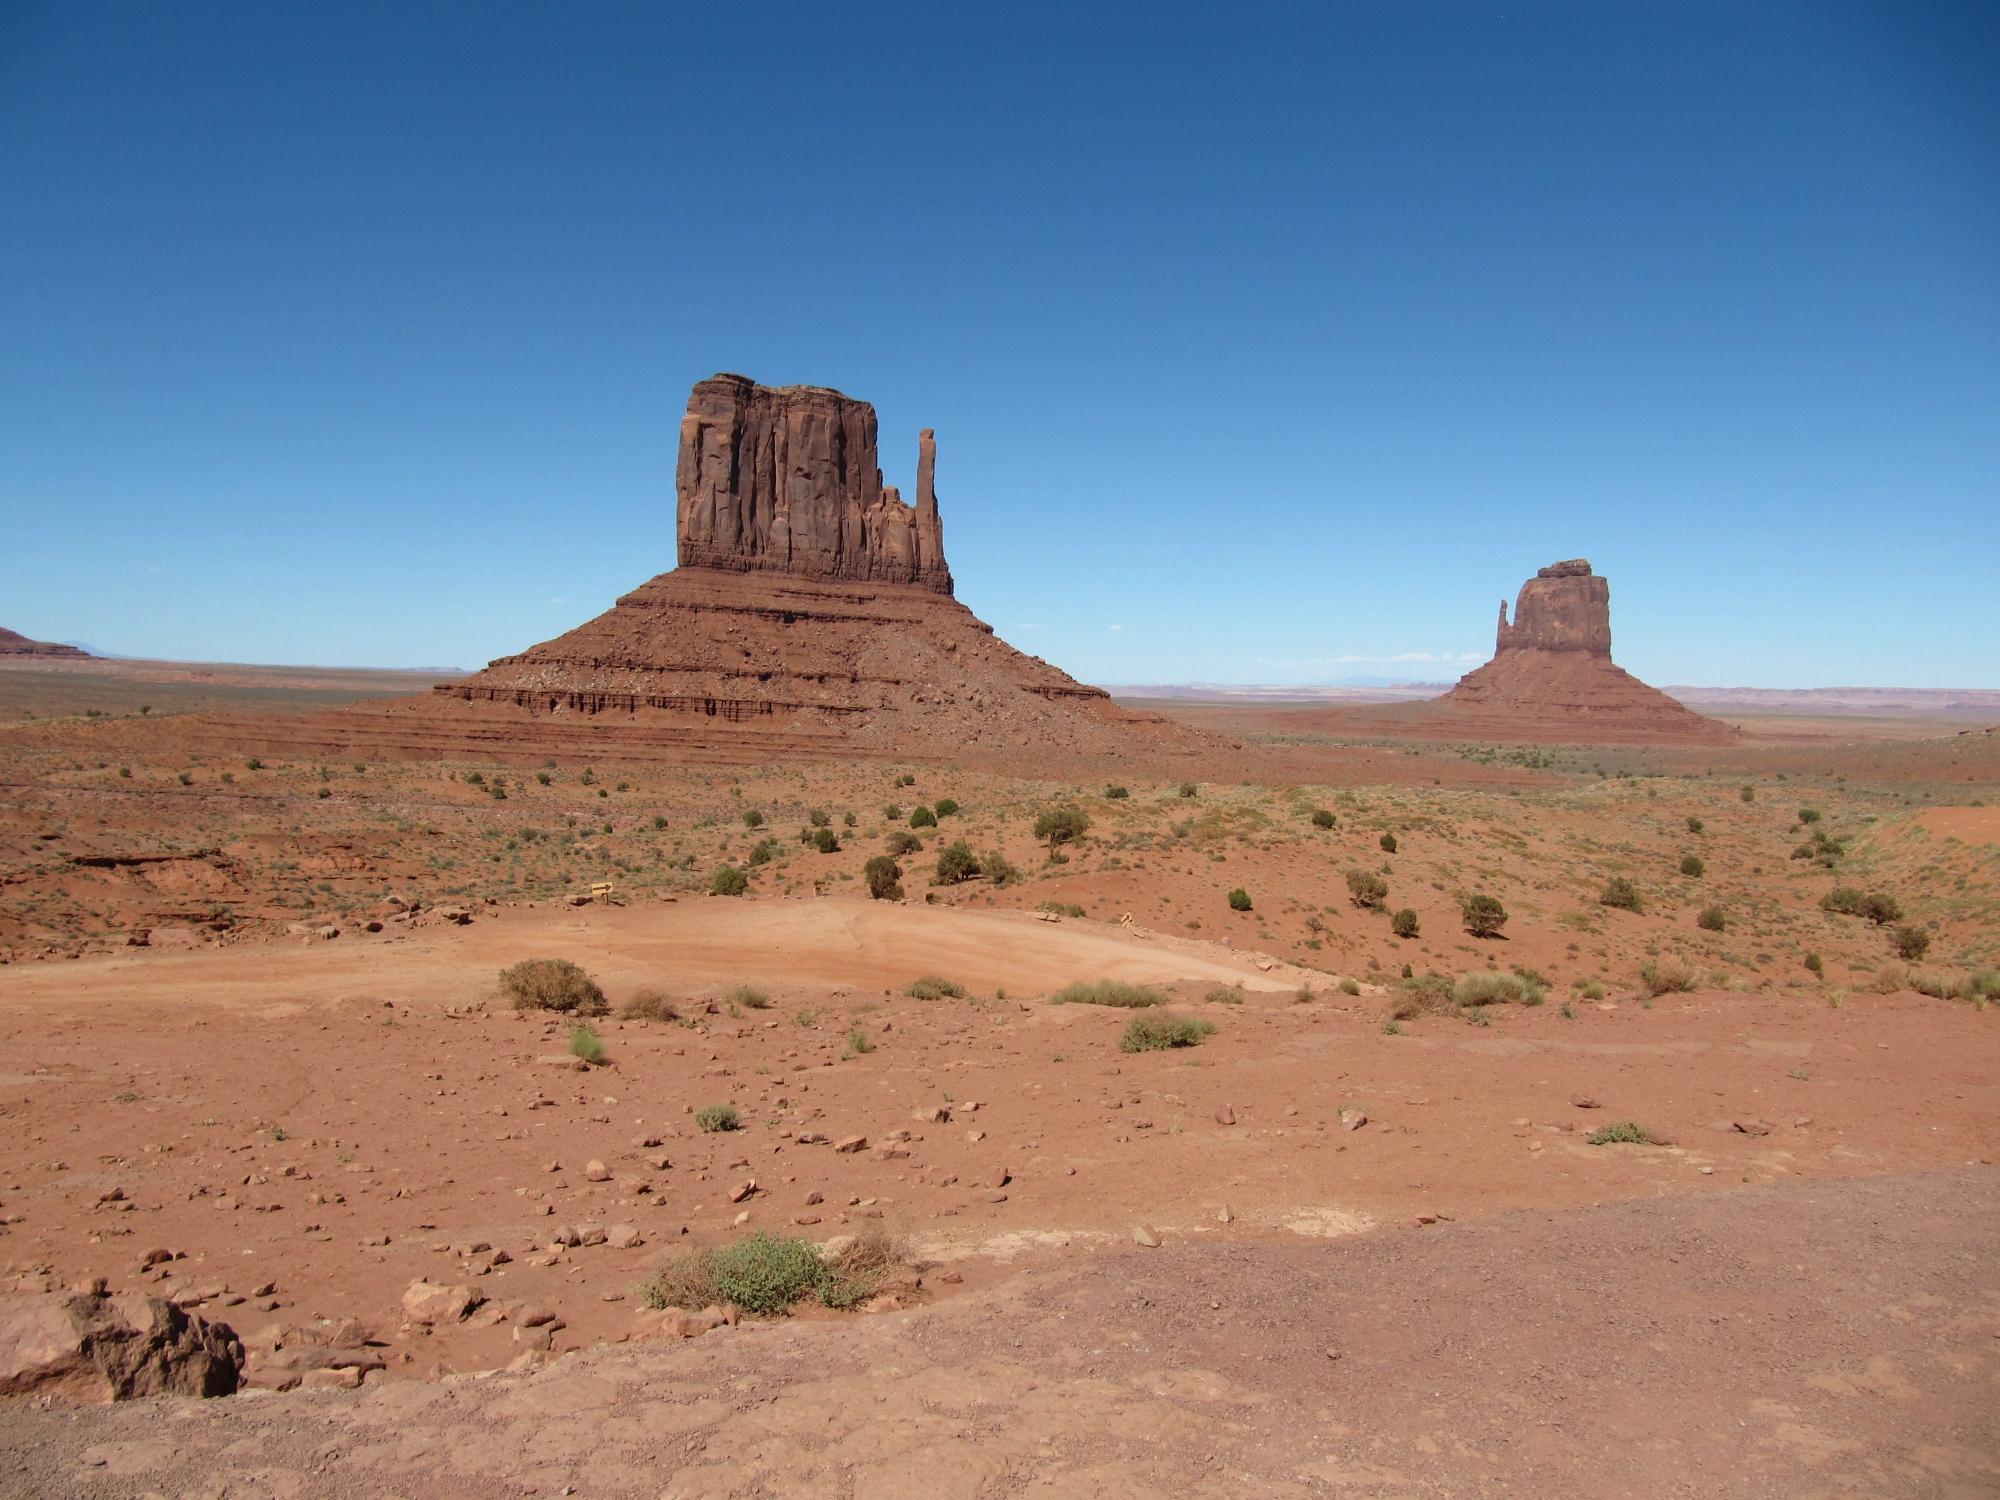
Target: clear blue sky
[{"x": 1263, "y": 344}]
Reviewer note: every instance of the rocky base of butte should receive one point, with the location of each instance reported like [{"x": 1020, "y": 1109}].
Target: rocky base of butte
[{"x": 14, "y": 644}]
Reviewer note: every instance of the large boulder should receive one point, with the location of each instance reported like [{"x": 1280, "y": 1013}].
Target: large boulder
[{"x": 80, "y": 1346}]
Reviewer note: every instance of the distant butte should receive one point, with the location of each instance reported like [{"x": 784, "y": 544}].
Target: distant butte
[
  {"x": 14, "y": 644},
  {"x": 1552, "y": 676},
  {"x": 811, "y": 614}
]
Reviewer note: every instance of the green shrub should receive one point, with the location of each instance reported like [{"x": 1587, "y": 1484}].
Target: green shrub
[
  {"x": 1366, "y": 889},
  {"x": 1189, "y": 789},
  {"x": 1620, "y": 892},
  {"x": 1116, "y": 793},
  {"x": 1668, "y": 976},
  {"x": 1747, "y": 793},
  {"x": 729, "y": 881},
  {"x": 1388, "y": 843},
  {"x": 1911, "y": 942},
  {"x": 1491, "y": 988},
  {"x": 1694, "y": 824},
  {"x": 1239, "y": 899},
  {"x": 753, "y": 819},
  {"x": 932, "y": 987},
  {"x": 1350, "y": 986},
  {"x": 884, "y": 877},
  {"x": 859, "y": 1043},
  {"x": 1808, "y": 815},
  {"x": 1711, "y": 919},
  {"x": 1158, "y": 1033},
  {"x": 922, "y": 817},
  {"x": 1061, "y": 908},
  {"x": 1404, "y": 923},
  {"x": 768, "y": 1274},
  {"x": 586, "y": 1044},
  {"x": 763, "y": 852},
  {"x": 747, "y": 996},
  {"x": 900, "y": 843},
  {"x": 553, "y": 984},
  {"x": 1814, "y": 963},
  {"x": 818, "y": 817},
  {"x": 1322, "y": 818},
  {"x": 1590, "y": 989},
  {"x": 1624, "y": 1133},
  {"x": 826, "y": 841},
  {"x": 1692, "y": 867},
  {"x": 1429, "y": 996},
  {"x": 1231, "y": 995},
  {"x": 1108, "y": 992},
  {"x": 1881, "y": 909},
  {"x": 718, "y": 1119},
  {"x": 944, "y": 807},
  {"x": 956, "y": 864},
  {"x": 1484, "y": 916},
  {"x": 999, "y": 869},
  {"x": 1062, "y": 825}
]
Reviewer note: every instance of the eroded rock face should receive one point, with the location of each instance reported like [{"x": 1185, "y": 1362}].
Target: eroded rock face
[
  {"x": 80, "y": 1346},
  {"x": 1564, "y": 607},
  {"x": 13, "y": 643},
  {"x": 786, "y": 480}
]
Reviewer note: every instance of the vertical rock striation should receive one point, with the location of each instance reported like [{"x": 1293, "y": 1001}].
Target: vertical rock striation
[{"x": 1564, "y": 607}]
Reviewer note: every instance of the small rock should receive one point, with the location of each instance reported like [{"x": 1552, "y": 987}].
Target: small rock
[
  {"x": 596, "y": 1171},
  {"x": 1145, "y": 1234}
]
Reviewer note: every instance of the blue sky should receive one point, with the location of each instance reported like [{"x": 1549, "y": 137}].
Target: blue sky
[{"x": 1263, "y": 344}]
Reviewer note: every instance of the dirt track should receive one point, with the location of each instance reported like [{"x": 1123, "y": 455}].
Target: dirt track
[{"x": 1811, "y": 1339}]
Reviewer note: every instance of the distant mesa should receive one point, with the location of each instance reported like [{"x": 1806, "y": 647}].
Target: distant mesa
[
  {"x": 14, "y": 644},
  {"x": 1552, "y": 675},
  {"x": 811, "y": 614}
]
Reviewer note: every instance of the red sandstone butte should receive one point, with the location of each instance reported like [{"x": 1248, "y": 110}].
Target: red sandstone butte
[{"x": 13, "y": 643}]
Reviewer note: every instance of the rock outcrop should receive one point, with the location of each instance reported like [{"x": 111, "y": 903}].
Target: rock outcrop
[
  {"x": 1552, "y": 677},
  {"x": 786, "y": 480},
  {"x": 13, "y": 643},
  {"x": 92, "y": 1347}
]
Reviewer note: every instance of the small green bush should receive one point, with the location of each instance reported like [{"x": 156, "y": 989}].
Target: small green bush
[
  {"x": 1911, "y": 942},
  {"x": 1692, "y": 867},
  {"x": 944, "y": 807},
  {"x": 1388, "y": 843},
  {"x": 1491, "y": 988},
  {"x": 1668, "y": 976},
  {"x": 729, "y": 881},
  {"x": 1624, "y": 1133},
  {"x": 1808, "y": 815},
  {"x": 956, "y": 863},
  {"x": 922, "y": 817},
  {"x": 1747, "y": 793},
  {"x": 932, "y": 987},
  {"x": 818, "y": 817},
  {"x": 1062, "y": 825},
  {"x": 749, "y": 997},
  {"x": 901, "y": 842},
  {"x": 1239, "y": 899},
  {"x": 1061, "y": 908},
  {"x": 586, "y": 1044},
  {"x": 1622, "y": 893},
  {"x": 826, "y": 841},
  {"x": 1231, "y": 995},
  {"x": 649, "y": 1005},
  {"x": 1711, "y": 919},
  {"x": 1367, "y": 890},
  {"x": 1116, "y": 793},
  {"x": 1189, "y": 789},
  {"x": 752, "y": 818},
  {"x": 767, "y": 1275},
  {"x": 1815, "y": 963},
  {"x": 553, "y": 984},
  {"x": 1108, "y": 992},
  {"x": 1430, "y": 995},
  {"x": 884, "y": 877},
  {"x": 1404, "y": 923},
  {"x": 718, "y": 1119},
  {"x": 1694, "y": 824},
  {"x": 859, "y": 1043},
  {"x": 1484, "y": 916},
  {"x": 999, "y": 869},
  {"x": 1882, "y": 909},
  {"x": 1322, "y": 818},
  {"x": 1159, "y": 1033}
]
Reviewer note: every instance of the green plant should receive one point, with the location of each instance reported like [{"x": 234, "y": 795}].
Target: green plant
[
  {"x": 1808, "y": 815},
  {"x": 1747, "y": 792},
  {"x": 767, "y": 1275},
  {"x": 826, "y": 841},
  {"x": 819, "y": 817},
  {"x": 1107, "y": 992},
  {"x": 1392, "y": 1027},
  {"x": 1694, "y": 824},
  {"x": 1493, "y": 988},
  {"x": 552, "y": 984},
  {"x": 749, "y": 997},
  {"x": 1711, "y": 919},
  {"x": 1668, "y": 976},
  {"x": 1367, "y": 889},
  {"x": 1427, "y": 996},
  {"x": 1483, "y": 915},
  {"x": 1405, "y": 923},
  {"x": 859, "y": 1043},
  {"x": 1911, "y": 942},
  {"x": 1622, "y": 893},
  {"x": 934, "y": 987},
  {"x": 1624, "y": 1133},
  {"x": 956, "y": 864},
  {"x": 1239, "y": 899},
  {"x": 1815, "y": 963},
  {"x": 718, "y": 1119},
  {"x": 1350, "y": 986},
  {"x": 922, "y": 817},
  {"x": 902, "y": 842},
  {"x": 1062, "y": 825},
  {"x": 1882, "y": 909},
  {"x": 944, "y": 807},
  {"x": 1189, "y": 789},
  {"x": 1692, "y": 867},
  {"x": 999, "y": 869},
  {"x": 1231, "y": 995},
  {"x": 884, "y": 877},
  {"x": 1159, "y": 1033},
  {"x": 1061, "y": 908},
  {"x": 763, "y": 852},
  {"x": 729, "y": 881},
  {"x": 1388, "y": 843},
  {"x": 1322, "y": 818},
  {"x": 1590, "y": 989},
  {"x": 752, "y": 818},
  {"x": 586, "y": 1044},
  {"x": 1116, "y": 793}
]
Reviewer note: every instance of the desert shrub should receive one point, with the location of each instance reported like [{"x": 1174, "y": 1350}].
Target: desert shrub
[
  {"x": 1747, "y": 792},
  {"x": 1158, "y": 1033},
  {"x": 747, "y": 996},
  {"x": 1692, "y": 867},
  {"x": 1230, "y": 995},
  {"x": 586, "y": 1044},
  {"x": 1366, "y": 889},
  {"x": 1388, "y": 843},
  {"x": 859, "y": 1043},
  {"x": 649, "y": 1005},
  {"x": 1483, "y": 914},
  {"x": 1624, "y": 1133},
  {"x": 1061, "y": 825},
  {"x": 1322, "y": 818},
  {"x": 1061, "y": 908},
  {"x": 1189, "y": 789},
  {"x": 1711, "y": 919},
  {"x": 1590, "y": 989},
  {"x": 752, "y": 818},
  {"x": 1808, "y": 815},
  {"x": 1491, "y": 988},
  {"x": 1911, "y": 942},
  {"x": 763, "y": 1273},
  {"x": 818, "y": 817},
  {"x": 763, "y": 852},
  {"x": 729, "y": 881},
  {"x": 1620, "y": 892},
  {"x": 1815, "y": 963},
  {"x": 1694, "y": 824},
  {"x": 1404, "y": 923},
  {"x": 1108, "y": 992},
  {"x": 999, "y": 869},
  {"x": 1350, "y": 986},
  {"x": 1881, "y": 909},
  {"x": 1847, "y": 900},
  {"x": 944, "y": 807},
  {"x": 1668, "y": 976},
  {"x": 718, "y": 1119},
  {"x": 884, "y": 877},
  {"x": 933, "y": 987},
  {"x": 906, "y": 779},
  {"x": 955, "y": 863},
  {"x": 826, "y": 841},
  {"x": 902, "y": 842},
  {"x": 1428, "y": 996},
  {"x": 1116, "y": 793},
  {"x": 552, "y": 984},
  {"x": 1239, "y": 899},
  {"x": 922, "y": 817}
]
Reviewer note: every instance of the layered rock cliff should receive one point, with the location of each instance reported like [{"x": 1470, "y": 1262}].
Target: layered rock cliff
[
  {"x": 786, "y": 480},
  {"x": 13, "y": 643},
  {"x": 1564, "y": 607}
]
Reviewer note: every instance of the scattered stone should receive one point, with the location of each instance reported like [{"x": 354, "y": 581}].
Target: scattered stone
[
  {"x": 1146, "y": 1235},
  {"x": 433, "y": 1302},
  {"x": 1352, "y": 1119},
  {"x": 596, "y": 1171}
]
